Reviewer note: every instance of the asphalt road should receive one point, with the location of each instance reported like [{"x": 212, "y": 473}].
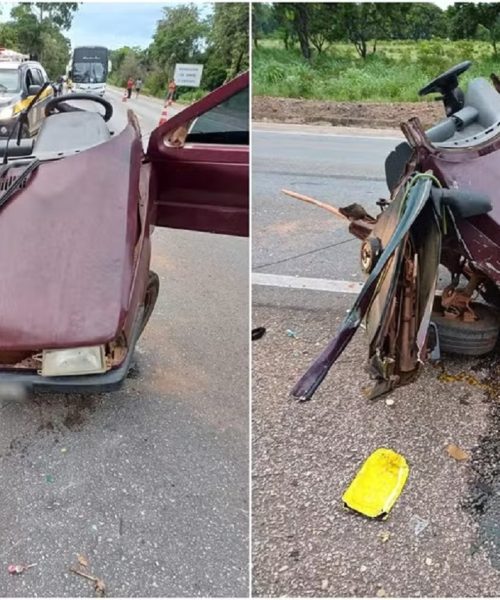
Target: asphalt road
[
  {"x": 340, "y": 170},
  {"x": 150, "y": 483},
  {"x": 305, "y": 543},
  {"x": 147, "y": 109}
]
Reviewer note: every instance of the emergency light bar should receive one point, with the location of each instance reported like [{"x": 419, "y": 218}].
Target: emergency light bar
[{"x": 12, "y": 56}]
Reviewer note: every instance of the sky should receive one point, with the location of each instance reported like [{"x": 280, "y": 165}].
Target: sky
[
  {"x": 112, "y": 24},
  {"x": 117, "y": 24}
]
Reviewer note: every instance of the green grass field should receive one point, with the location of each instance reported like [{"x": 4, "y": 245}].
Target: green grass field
[{"x": 394, "y": 73}]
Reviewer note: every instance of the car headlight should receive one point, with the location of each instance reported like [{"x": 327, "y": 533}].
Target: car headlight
[
  {"x": 73, "y": 361},
  {"x": 6, "y": 112}
]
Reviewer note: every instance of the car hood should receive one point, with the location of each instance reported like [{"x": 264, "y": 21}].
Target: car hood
[
  {"x": 67, "y": 249},
  {"x": 7, "y": 100}
]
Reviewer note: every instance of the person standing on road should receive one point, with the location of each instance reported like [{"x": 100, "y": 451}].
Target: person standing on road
[
  {"x": 130, "y": 86},
  {"x": 171, "y": 92},
  {"x": 138, "y": 87},
  {"x": 60, "y": 86}
]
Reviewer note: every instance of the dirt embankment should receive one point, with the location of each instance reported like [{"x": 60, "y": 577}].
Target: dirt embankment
[{"x": 387, "y": 115}]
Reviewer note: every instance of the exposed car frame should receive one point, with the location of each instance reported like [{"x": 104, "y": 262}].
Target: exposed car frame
[{"x": 443, "y": 210}]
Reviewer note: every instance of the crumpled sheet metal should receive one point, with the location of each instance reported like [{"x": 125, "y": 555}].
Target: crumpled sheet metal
[{"x": 418, "y": 194}]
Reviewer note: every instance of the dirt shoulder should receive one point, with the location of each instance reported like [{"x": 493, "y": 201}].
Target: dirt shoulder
[{"x": 345, "y": 114}]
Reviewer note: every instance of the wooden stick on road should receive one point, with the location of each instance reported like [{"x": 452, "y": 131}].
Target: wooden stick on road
[{"x": 332, "y": 209}]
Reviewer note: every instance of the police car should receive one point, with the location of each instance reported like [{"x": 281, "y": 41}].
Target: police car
[{"x": 20, "y": 80}]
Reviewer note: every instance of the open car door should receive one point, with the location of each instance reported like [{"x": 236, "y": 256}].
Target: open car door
[{"x": 199, "y": 163}]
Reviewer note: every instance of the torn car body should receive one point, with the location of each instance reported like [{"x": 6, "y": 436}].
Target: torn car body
[
  {"x": 77, "y": 208},
  {"x": 443, "y": 210}
]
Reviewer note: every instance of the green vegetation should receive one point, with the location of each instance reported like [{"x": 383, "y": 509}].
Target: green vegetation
[
  {"x": 395, "y": 73},
  {"x": 219, "y": 41},
  {"x": 36, "y": 29},
  {"x": 377, "y": 52}
]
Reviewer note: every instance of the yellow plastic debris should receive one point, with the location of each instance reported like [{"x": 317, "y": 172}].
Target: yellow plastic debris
[{"x": 378, "y": 484}]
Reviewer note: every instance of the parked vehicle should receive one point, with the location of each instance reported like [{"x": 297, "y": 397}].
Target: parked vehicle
[
  {"x": 20, "y": 80},
  {"x": 444, "y": 209},
  {"x": 77, "y": 207}
]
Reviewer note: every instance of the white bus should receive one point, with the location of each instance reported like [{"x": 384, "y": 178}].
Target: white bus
[{"x": 89, "y": 68}]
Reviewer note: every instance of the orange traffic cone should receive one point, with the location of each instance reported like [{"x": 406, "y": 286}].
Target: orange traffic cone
[{"x": 163, "y": 116}]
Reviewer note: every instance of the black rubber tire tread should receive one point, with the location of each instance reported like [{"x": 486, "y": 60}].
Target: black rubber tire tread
[
  {"x": 152, "y": 290},
  {"x": 469, "y": 339}
]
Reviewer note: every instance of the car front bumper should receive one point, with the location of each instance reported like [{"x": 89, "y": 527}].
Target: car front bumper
[
  {"x": 100, "y": 92},
  {"x": 76, "y": 384}
]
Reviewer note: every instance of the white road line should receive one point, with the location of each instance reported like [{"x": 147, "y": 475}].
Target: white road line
[
  {"x": 322, "y": 132},
  {"x": 334, "y": 135},
  {"x": 307, "y": 283},
  {"x": 337, "y": 286}
]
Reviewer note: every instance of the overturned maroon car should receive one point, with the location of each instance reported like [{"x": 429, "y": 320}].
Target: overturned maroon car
[
  {"x": 443, "y": 211},
  {"x": 77, "y": 208}
]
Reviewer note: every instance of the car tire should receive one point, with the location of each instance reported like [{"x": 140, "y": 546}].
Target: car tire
[
  {"x": 150, "y": 297},
  {"x": 470, "y": 339}
]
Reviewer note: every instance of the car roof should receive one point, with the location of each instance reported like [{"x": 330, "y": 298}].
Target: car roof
[
  {"x": 14, "y": 64},
  {"x": 8, "y": 64}
]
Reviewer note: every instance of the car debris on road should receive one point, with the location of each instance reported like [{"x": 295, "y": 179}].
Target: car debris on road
[
  {"x": 442, "y": 211},
  {"x": 378, "y": 484},
  {"x": 457, "y": 453},
  {"x": 82, "y": 571},
  {"x": 258, "y": 333},
  {"x": 18, "y": 569},
  {"x": 418, "y": 525}
]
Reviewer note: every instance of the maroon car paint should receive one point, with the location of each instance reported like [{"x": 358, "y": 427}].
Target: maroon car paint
[
  {"x": 76, "y": 242},
  {"x": 68, "y": 245},
  {"x": 202, "y": 187},
  {"x": 475, "y": 168}
]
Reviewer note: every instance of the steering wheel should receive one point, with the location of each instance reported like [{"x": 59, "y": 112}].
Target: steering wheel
[
  {"x": 58, "y": 104},
  {"x": 447, "y": 81}
]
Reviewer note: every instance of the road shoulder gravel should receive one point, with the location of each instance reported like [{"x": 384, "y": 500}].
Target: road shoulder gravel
[{"x": 305, "y": 543}]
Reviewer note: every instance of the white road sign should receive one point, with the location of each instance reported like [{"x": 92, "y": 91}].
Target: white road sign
[{"x": 188, "y": 75}]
